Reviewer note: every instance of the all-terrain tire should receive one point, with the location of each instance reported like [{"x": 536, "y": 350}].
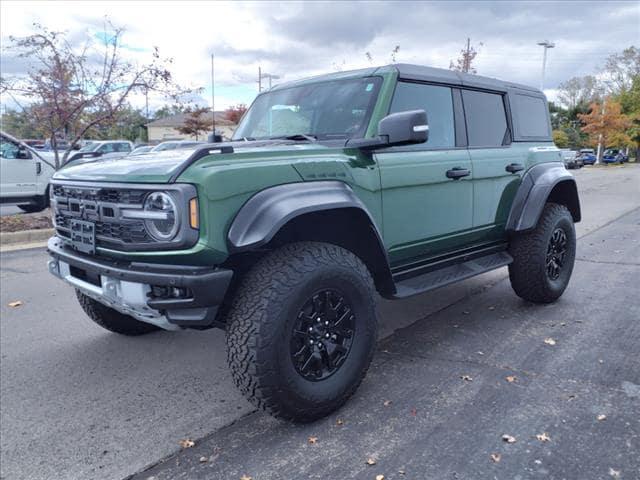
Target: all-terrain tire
[
  {"x": 531, "y": 251},
  {"x": 261, "y": 328},
  {"x": 111, "y": 319}
]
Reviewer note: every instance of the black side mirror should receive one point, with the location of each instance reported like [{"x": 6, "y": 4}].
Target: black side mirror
[
  {"x": 23, "y": 153},
  {"x": 404, "y": 128}
]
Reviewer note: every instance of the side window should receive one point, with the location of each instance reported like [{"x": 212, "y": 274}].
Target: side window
[
  {"x": 8, "y": 149},
  {"x": 486, "y": 119},
  {"x": 124, "y": 147},
  {"x": 106, "y": 148},
  {"x": 530, "y": 116},
  {"x": 438, "y": 104}
]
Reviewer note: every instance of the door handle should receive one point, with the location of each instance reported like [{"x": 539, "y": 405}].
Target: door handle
[
  {"x": 38, "y": 168},
  {"x": 457, "y": 173},
  {"x": 514, "y": 167}
]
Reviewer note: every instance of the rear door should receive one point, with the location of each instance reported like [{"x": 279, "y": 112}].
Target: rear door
[
  {"x": 497, "y": 166},
  {"x": 424, "y": 211}
]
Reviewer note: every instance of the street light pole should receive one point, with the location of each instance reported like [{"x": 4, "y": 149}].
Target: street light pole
[
  {"x": 213, "y": 109},
  {"x": 547, "y": 45}
]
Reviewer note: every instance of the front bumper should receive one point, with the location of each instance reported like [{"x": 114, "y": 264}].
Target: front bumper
[{"x": 145, "y": 291}]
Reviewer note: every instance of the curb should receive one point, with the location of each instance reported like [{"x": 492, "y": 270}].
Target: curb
[{"x": 25, "y": 237}]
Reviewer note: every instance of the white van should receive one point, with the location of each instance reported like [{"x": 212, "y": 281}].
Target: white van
[{"x": 24, "y": 175}]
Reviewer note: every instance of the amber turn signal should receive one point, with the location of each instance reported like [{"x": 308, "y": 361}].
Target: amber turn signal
[{"x": 193, "y": 213}]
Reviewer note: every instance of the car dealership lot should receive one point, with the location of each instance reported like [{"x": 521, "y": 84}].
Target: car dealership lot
[{"x": 78, "y": 402}]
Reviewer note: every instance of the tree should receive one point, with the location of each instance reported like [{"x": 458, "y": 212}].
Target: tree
[
  {"x": 622, "y": 68},
  {"x": 21, "y": 124},
  {"x": 578, "y": 91},
  {"x": 561, "y": 139},
  {"x": 605, "y": 124},
  {"x": 393, "y": 56},
  {"x": 197, "y": 121},
  {"x": 465, "y": 60},
  {"x": 235, "y": 113},
  {"x": 71, "y": 90},
  {"x": 169, "y": 111}
]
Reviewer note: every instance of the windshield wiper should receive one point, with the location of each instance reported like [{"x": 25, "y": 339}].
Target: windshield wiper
[{"x": 297, "y": 136}]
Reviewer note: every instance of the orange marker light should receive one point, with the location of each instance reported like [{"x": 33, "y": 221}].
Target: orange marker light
[{"x": 193, "y": 213}]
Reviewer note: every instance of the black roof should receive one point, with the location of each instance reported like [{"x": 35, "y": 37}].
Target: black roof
[{"x": 440, "y": 75}]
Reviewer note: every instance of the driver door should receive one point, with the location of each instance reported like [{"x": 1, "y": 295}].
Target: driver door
[
  {"x": 426, "y": 212},
  {"x": 18, "y": 175}
]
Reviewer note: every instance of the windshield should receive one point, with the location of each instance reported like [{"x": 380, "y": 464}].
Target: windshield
[{"x": 325, "y": 110}]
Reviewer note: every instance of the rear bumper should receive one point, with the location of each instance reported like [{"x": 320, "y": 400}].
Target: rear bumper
[{"x": 170, "y": 296}]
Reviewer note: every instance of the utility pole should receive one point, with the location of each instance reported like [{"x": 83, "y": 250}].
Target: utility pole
[
  {"x": 547, "y": 45},
  {"x": 213, "y": 108},
  {"x": 259, "y": 79},
  {"x": 604, "y": 110}
]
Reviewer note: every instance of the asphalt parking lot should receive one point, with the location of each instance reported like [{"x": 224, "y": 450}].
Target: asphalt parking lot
[{"x": 78, "y": 402}]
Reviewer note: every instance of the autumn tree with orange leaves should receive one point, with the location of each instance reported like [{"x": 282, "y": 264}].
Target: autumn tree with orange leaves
[{"x": 606, "y": 124}]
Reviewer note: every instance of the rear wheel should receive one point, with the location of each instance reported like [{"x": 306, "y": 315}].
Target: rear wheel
[
  {"x": 543, "y": 258},
  {"x": 301, "y": 330},
  {"x": 111, "y": 319}
]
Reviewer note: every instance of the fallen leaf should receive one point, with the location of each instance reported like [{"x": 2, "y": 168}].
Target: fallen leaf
[
  {"x": 386, "y": 403},
  {"x": 549, "y": 341},
  {"x": 466, "y": 378},
  {"x": 401, "y": 472},
  {"x": 492, "y": 308},
  {"x": 246, "y": 477},
  {"x": 414, "y": 412},
  {"x": 496, "y": 457},
  {"x": 339, "y": 422},
  {"x": 15, "y": 304},
  {"x": 543, "y": 437},
  {"x": 379, "y": 477},
  {"x": 511, "y": 378},
  {"x": 204, "y": 459},
  {"x": 313, "y": 440},
  {"x": 614, "y": 473},
  {"x": 600, "y": 361},
  {"x": 186, "y": 443},
  {"x": 509, "y": 438},
  {"x": 466, "y": 312},
  {"x": 480, "y": 353},
  {"x": 371, "y": 461},
  {"x": 563, "y": 324},
  {"x": 601, "y": 417}
]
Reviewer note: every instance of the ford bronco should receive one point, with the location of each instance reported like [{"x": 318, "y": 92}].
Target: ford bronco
[{"x": 396, "y": 180}]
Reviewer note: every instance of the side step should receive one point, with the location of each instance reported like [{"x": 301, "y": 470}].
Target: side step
[{"x": 451, "y": 274}]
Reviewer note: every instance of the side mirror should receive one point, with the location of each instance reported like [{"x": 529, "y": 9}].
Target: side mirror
[
  {"x": 23, "y": 153},
  {"x": 404, "y": 128}
]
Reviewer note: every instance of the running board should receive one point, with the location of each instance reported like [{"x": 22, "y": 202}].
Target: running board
[{"x": 451, "y": 274}]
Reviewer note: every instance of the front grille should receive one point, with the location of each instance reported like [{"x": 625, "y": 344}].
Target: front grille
[{"x": 102, "y": 206}]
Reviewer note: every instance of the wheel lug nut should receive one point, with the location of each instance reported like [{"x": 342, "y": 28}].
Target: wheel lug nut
[
  {"x": 326, "y": 335},
  {"x": 311, "y": 329},
  {"x": 311, "y": 342},
  {"x": 326, "y": 322},
  {"x": 319, "y": 319}
]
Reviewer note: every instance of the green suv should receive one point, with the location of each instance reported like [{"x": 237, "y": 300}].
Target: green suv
[{"x": 396, "y": 180}]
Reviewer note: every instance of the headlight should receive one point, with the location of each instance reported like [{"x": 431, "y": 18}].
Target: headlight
[{"x": 161, "y": 216}]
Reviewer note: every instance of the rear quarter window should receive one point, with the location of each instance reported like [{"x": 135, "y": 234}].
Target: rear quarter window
[
  {"x": 486, "y": 119},
  {"x": 530, "y": 116}
]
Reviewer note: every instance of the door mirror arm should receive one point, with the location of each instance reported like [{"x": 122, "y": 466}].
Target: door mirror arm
[{"x": 402, "y": 128}]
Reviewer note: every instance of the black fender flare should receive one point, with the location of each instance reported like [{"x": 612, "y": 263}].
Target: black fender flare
[
  {"x": 541, "y": 182},
  {"x": 260, "y": 218}
]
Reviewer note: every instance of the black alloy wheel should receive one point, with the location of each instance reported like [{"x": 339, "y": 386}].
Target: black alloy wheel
[
  {"x": 322, "y": 335},
  {"x": 556, "y": 251}
]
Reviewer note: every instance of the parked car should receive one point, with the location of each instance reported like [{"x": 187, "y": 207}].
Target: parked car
[
  {"x": 25, "y": 174},
  {"x": 177, "y": 144},
  {"x": 614, "y": 155},
  {"x": 571, "y": 159},
  {"x": 588, "y": 156},
  {"x": 107, "y": 149},
  {"x": 140, "y": 150},
  {"x": 333, "y": 188}
]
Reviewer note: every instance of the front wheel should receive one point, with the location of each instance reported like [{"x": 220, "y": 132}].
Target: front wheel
[
  {"x": 543, "y": 258},
  {"x": 302, "y": 329}
]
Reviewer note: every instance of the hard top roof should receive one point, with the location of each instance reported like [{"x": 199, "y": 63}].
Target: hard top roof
[{"x": 408, "y": 71}]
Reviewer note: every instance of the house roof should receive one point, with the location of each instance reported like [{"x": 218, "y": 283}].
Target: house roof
[{"x": 177, "y": 120}]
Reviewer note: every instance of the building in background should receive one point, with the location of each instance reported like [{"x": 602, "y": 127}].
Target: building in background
[{"x": 166, "y": 128}]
